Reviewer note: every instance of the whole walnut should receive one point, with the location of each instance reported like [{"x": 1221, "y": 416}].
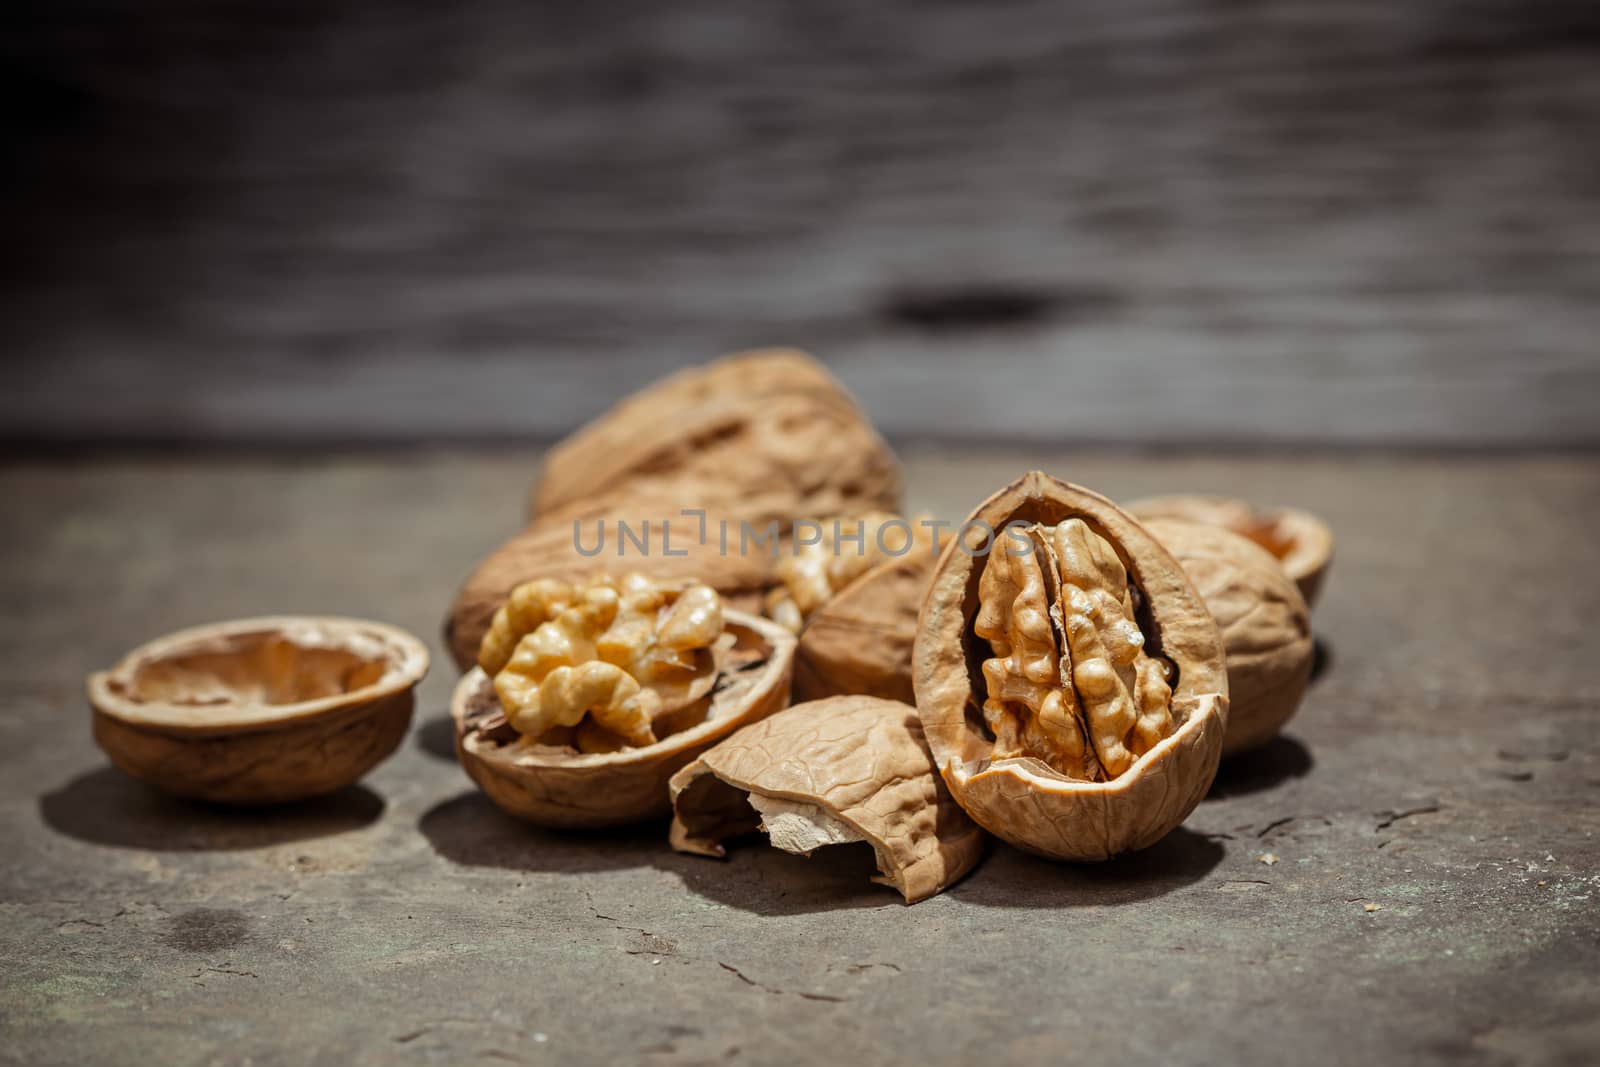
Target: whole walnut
[
  {"x": 1301, "y": 542},
  {"x": 1265, "y": 624},
  {"x": 760, "y": 436}
]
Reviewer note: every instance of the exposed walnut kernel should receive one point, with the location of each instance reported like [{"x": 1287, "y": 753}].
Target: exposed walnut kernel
[
  {"x": 605, "y": 664},
  {"x": 812, "y": 574},
  {"x": 1031, "y": 708},
  {"x": 537, "y": 701},
  {"x": 1119, "y": 606},
  {"x": 529, "y": 606},
  {"x": 1125, "y": 692},
  {"x": 1070, "y": 682}
]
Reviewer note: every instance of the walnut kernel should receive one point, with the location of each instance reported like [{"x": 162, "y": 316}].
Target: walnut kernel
[
  {"x": 1070, "y": 682},
  {"x": 607, "y": 658}
]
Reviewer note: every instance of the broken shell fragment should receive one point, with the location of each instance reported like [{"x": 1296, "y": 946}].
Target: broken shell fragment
[
  {"x": 258, "y": 711},
  {"x": 1300, "y": 541},
  {"x": 584, "y": 776},
  {"x": 1265, "y": 624},
  {"x": 1068, "y": 675},
  {"x": 835, "y": 771}
]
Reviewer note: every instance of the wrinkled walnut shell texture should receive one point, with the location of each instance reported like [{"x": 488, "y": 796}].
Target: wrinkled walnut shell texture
[
  {"x": 860, "y": 641},
  {"x": 859, "y": 760},
  {"x": 1023, "y": 801},
  {"x": 758, "y": 437},
  {"x": 238, "y": 749},
  {"x": 558, "y": 788},
  {"x": 1265, "y": 624},
  {"x": 1301, "y": 542},
  {"x": 767, "y": 434}
]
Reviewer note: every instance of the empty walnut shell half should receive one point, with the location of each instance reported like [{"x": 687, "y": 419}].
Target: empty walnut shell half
[
  {"x": 1069, "y": 678},
  {"x": 1301, "y": 542},
  {"x": 762, "y": 435},
  {"x": 829, "y": 772},
  {"x": 1265, "y": 624},
  {"x": 557, "y": 785},
  {"x": 259, "y": 711}
]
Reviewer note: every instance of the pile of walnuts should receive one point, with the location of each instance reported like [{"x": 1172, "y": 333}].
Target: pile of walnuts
[{"x": 1069, "y": 685}]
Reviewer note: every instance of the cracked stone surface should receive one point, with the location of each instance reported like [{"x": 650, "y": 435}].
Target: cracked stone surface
[{"x": 1410, "y": 875}]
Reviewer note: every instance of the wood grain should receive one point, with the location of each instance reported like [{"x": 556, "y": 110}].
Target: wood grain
[{"x": 1160, "y": 220}]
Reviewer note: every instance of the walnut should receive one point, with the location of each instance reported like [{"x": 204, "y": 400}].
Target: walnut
[
  {"x": 851, "y": 588},
  {"x": 860, "y": 641},
  {"x": 1301, "y": 542},
  {"x": 1070, "y": 679},
  {"x": 760, "y": 438},
  {"x": 762, "y": 435},
  {"x": 1265, "y": 624},
  {"x": 835, "y": 771},
  {"x": 607, "y": 657},
  {"x": 259, "y": 711},
  {"x": 611, "y": 686}
]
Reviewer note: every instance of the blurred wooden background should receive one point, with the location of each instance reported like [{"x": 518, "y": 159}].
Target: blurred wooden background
[{"x": 1210, "y": 221}]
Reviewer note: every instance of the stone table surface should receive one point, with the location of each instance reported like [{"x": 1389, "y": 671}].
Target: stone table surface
[{"x": 1444, "y": 772}]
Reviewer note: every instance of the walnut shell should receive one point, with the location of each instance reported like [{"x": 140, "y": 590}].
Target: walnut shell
[
  {"x": 1265, "y": 624},
  {"x": 860, "y": 641},
  {"x": 258, "y": 711},
  {"x": 1301, "y": 542},
  {"x": 848, "y": 768},
  {"x": 761, "y": 435},
  {"x": 550, "y": 548},
  {"x": 558, "y": 787},
  {"x": 1024, "y": 800}
]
